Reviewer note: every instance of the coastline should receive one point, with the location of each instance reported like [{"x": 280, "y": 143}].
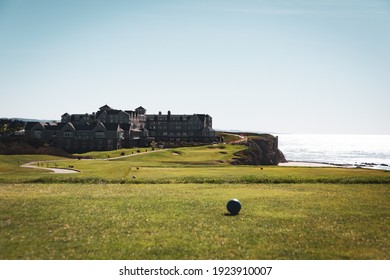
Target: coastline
[
  {"x": 346, "y": 151},
  {"x": 373, "y": 166},
  {"x": 308, "y": 164}
]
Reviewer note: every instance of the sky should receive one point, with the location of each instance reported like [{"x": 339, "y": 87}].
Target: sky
[{"x": 296, "y": 66}]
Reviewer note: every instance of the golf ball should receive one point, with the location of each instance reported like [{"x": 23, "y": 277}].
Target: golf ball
[{"x": 233, "y": 206}]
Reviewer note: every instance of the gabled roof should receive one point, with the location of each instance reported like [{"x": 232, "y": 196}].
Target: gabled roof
[
  {"x": 68, "y": 125},
  {"x": 99, "y": 113},
  {"x": 112, "y": 126},
  {"x": 105, "y": 107},
  {"x": 194, "y": 117},
  {"x": 45, "y": 125},
  {"x": 99, "y": 126},
  {"x": 115, "y": 112},
  {"x": 58, "y": 126},
  {"x": 85, "y": 127},
  {"x": 78, "y": 117},
  {"x": 111, "y": 112},
  {"x": 30, "y": 125},
  {"x": 53, "y": 126}
]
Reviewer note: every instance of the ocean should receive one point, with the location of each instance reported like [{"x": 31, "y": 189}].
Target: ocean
[{"x": 370, "y": 151}]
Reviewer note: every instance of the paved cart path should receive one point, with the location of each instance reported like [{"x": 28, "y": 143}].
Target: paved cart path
[{"x": 33, "y": 164}]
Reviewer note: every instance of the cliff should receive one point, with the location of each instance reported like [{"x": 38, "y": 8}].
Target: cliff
[{"x": 262, "y": 149}]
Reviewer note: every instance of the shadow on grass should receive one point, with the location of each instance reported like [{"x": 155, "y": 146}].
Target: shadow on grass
[{"x": 230, "y": 214}]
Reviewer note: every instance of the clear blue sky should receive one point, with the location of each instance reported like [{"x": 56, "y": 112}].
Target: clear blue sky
[{"x": 301, "y": 66}]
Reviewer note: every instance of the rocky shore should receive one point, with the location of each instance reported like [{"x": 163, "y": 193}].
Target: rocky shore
[
  {"x": 262, "y": 149},
  {"x": 381, "y": 166}
]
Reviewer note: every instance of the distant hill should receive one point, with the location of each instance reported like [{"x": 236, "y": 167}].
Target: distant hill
[{"x": 29, "y": 120}]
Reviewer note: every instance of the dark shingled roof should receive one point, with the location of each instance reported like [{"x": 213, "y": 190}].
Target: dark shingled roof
[
  {"x": 113, "y": 112},
  {"x": 77, "y": 117},
  {"x": 46, "y": 125},
  {"x": 99, "y": 113},
  {"x": 52, "y": 127},
  {"x": 30, "y": 125},
  {"x": 201, "y": 117},
  {"x": 111, "y": 126},
  {"x": 85, "y": 127},
  {"x": 105, "y": 107},
  {"x": 60, "y": 125}
]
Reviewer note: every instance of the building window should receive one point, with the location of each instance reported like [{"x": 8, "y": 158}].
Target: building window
[
  {"x": 83, "y": 136},
  {"x": 38, "y": 134},
  {"x": 99, "y": 134},
  {"x": 68, "y": 134}
]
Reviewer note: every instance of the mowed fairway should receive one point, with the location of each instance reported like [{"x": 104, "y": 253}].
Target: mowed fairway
[{"x": 287, "y": 213}]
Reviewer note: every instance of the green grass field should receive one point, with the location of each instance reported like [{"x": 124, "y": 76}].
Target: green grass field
[{"x": 175, "y": 208}]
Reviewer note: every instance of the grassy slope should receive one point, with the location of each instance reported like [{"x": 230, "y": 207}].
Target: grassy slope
[
  {"x": 304, "y": 220},
  {"x": 10, "y": 169},
  {"x": 210, "y": 164},
  {"x": 113, "y": 154}
]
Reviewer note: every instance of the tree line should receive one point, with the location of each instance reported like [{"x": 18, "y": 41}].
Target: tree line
[{"x": 9, "y": 126}]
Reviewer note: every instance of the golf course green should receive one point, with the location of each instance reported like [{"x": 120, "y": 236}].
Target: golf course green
[{"x": 171, "y": 204}]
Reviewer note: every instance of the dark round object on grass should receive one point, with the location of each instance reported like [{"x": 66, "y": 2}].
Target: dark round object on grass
[{"x": 233, "y": 206}]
